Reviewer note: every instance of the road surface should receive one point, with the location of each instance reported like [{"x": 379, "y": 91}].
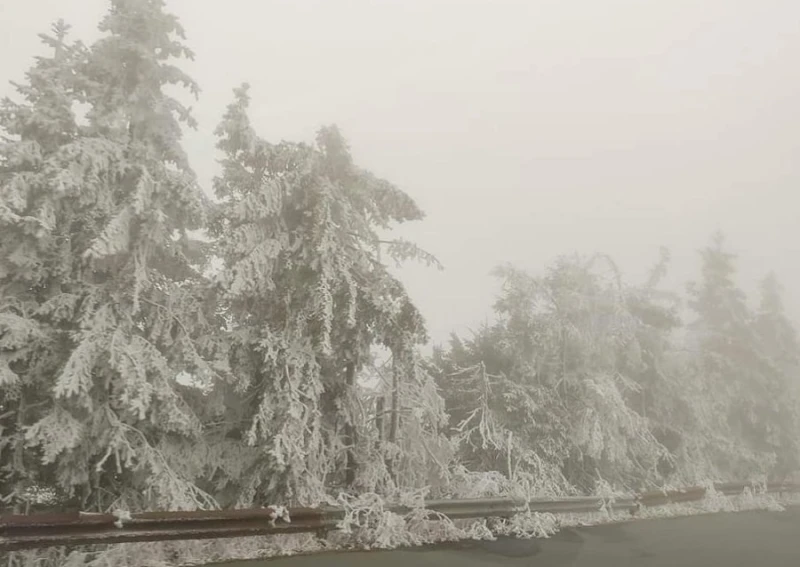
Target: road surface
[{"x": 746, "y": 539}]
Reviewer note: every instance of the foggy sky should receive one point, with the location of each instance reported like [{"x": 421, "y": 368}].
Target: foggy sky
[{"x": 525, "y": 129}]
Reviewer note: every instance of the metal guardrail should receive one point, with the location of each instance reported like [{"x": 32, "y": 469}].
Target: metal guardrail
[{"x": 49, "y": 530}]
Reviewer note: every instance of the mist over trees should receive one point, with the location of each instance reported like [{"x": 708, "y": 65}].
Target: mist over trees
[{"x": 160, "y": 348}]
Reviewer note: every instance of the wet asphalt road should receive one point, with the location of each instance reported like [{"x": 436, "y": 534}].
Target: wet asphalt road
[{"x": 747, "y": 539}]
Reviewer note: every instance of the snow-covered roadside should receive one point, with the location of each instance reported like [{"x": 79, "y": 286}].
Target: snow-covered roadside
[{"x": 369, "y": 526}]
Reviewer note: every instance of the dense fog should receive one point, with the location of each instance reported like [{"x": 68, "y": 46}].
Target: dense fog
[{"x": 297, "y": 253}]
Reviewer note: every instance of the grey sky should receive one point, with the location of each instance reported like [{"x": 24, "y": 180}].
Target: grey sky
[{"x": 525, "y": 129}]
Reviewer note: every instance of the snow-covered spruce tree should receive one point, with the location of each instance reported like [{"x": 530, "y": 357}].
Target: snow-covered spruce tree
[
  {"x": 307, "y": 299},
  {"x": 501, "y": 419},
  {"x": 728, "y": 379},
  {"x": 116, "y": 425},
  {"x": 779, "y": 349},
  {"x": 34, "y": 225},
  {"x": 555, "y": 383},
  {"x": 653, "y": 363}
]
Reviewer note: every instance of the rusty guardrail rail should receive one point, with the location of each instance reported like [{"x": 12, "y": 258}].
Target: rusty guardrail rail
[{"x": 49, "y": 530}]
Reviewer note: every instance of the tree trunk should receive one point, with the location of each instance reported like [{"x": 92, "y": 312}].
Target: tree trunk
[
  {"x": 394, "y": 425},
  {"x": 380, "y": 404},
  {"x": 350, "y": 434},
  {"x": 397, "y": 369}
]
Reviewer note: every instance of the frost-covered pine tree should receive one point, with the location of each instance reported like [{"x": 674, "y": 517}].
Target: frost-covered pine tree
[
  {"x": 547, "y": 393},
  {"x": 34, "y": 269},
  {"x": 297, "y": 230},
  {"x": 660, "y": 394},
  {"x": 116, "y": 425},
  {"x": 728, "y": 377},
  {"x": 779, "y": 352}
]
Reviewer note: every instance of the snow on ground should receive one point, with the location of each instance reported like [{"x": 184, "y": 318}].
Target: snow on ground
[{"x": 380, "y": 529}]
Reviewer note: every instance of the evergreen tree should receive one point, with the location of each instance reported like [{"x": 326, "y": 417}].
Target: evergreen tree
[
  {"x": 118, "y": 427},
  {"x": 555, "y": 377},
  {"x": 727, "y": 374},
  {"x": 34, "y": 262},
  {"x": 652, "y": 364},
  {"x": 780, "y": 357},
  {"x": 308, "y": 298},
  {"x": 720, "y": 305}
]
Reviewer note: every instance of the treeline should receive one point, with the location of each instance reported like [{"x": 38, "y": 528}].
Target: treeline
[
  {"x": 588, "y": 383},
  {"x": 134, "y": 374}
]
